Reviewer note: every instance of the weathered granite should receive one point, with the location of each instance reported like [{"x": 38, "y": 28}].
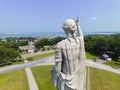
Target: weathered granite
[{"x": 69, "y": 72}]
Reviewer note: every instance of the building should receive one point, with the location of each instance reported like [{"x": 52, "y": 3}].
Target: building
[{"x": 29, "y": 48}]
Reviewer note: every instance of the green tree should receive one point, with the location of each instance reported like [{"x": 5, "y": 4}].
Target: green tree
[
  {"x": 114, "y": 46},
  {"x": 8, "y": 55},
  {"x": 101, "y": 46},
  {"x": 12, "y": 54}
]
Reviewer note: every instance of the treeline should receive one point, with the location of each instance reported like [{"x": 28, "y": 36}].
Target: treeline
[
  {"x": 13, "y": 42},
  {"x": 48, "y": 42},
  {"x": 101, "y": 44}
]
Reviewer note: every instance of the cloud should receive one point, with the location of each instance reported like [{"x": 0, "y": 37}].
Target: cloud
[
  {"x": 94, "y": 18},
  {"x": 97, "y": 18}
]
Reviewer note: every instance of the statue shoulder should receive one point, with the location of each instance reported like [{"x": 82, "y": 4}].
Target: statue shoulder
[{"x": 61, "y": 44}]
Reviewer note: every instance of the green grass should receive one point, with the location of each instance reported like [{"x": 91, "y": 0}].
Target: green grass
[
  {"x": 104, "y": 80},
  {"x": 15, "y": 80},
  {"x": 113, "y": 63},
  {"x": 90, "y": 56},
  {"x": 41, "y": 56},
  {"x": 43, "y": 77},
  {"x": 100, "y": 79}
]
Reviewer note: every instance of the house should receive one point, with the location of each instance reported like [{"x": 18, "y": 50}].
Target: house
[
  {"x": 30, "y": 42},
  {"x": 37, "y": 39},
  {"x": 29, "y": 48},
  {"x": 4, "y": 40}
]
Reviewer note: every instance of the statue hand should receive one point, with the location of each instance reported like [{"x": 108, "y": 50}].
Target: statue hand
[{"x": 77, "y": 22}]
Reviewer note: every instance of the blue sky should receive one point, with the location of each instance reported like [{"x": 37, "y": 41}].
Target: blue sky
[{"x": 48, "y": 15}]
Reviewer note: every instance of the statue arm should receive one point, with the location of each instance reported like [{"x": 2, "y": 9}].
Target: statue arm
[
  {"x": 58, "y": 58},
  {"x": 57, "y": 68},
  {"x": 78, "y": 28}
]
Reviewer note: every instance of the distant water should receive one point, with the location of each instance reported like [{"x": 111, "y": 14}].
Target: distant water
[{"x": 49, "y": 34}]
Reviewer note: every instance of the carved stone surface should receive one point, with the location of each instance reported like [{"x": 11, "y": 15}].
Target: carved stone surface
[{"x": 69, "y": 72}]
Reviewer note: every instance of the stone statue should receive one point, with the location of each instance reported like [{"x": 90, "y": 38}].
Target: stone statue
[{"x": 69, "y": 72}]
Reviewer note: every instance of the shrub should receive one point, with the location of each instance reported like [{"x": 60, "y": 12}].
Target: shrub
[
  {"x": 30, "y": 58},
  {"x": 21, "y": 59}
]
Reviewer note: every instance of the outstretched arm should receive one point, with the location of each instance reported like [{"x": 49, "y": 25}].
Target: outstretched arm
[{"x": 78, "y": 28}]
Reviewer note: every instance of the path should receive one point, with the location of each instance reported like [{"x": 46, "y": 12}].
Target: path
[
  {"x": 31, "y": 81},
  {"x": 21, "y": 66}
]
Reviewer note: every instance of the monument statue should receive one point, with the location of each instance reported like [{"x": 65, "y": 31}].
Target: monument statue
[{"x": 69, "y": 72}]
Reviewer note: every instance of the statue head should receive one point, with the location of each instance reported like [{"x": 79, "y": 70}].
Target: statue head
[{"x": 69, "y": 26}]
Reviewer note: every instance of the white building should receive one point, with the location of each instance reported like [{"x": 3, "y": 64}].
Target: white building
[{"x": 29, "y": 48}]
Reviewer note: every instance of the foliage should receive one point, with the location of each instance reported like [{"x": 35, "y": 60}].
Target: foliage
[
  {"x": 30, "y": 58},
  {"x": 43, "y": 49},
  {"x": 15, "y": 80},
  {"x": 42, "y": 43},
  {"x": 14, "y": 42},
  {"x": 100, "y": 44},
  {"x": 48, "y": 42},
  {"x": 90, "y": 42},
  {"x": 90, "y": 56},
  {"x": 8, "y": 55}
]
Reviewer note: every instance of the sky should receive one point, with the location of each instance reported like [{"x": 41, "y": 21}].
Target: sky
[{"x": 49, "y": 15}]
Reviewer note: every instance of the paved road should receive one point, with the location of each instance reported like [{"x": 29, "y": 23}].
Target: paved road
[
  {"x": 21, "y": 66},
  {"x": 102, "y": 66},
  {"x": 50, "y": 60}
]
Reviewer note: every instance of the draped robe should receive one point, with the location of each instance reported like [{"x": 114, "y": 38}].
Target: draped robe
[{"x": 71, "y": 73}]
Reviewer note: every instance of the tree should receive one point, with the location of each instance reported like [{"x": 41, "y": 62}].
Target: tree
[
  {"x": 41, "y": 43},
  {"x": 114, "y": 46},
  {"x": 8, "y": 55},
  {"x": 101, "y": 46},
  {"x": 48, "y": 42},
  {"x": 12, "y": 54}
]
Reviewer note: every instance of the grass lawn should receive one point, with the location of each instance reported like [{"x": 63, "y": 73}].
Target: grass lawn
[
  {"x": 90, "y": 56},
  {"x": 100, "y": 79},
  {"x": 14, "y": 80},
  {"x": 113, "y": 63},
  {"x": 43, "y": 77},
  {"x": 41, "y": 56},
  {"x": 104, "y": 80}
]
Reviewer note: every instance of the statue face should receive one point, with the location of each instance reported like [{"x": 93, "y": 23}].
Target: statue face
[{"x": 69, "y": 25}]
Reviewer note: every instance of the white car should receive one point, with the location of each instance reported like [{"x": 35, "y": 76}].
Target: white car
[{"x": 108, "y": 59}]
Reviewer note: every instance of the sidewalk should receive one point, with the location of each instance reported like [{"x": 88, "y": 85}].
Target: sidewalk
[{"x": 31, "y": 81}]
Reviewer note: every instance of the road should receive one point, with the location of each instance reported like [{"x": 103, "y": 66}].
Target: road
[
  {"x": 102, "y": 66},
  {"x": 50, "y": 60},
  {"x": 22, "y": 66}
]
